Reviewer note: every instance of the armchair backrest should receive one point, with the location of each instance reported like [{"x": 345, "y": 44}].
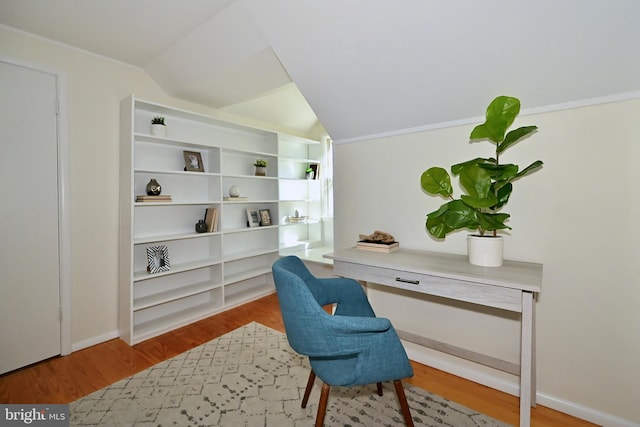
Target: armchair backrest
[{"x": 303, "y": 316}]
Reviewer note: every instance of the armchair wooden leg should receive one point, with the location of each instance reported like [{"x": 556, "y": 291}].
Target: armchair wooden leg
[
  {"x": 307, "y": 391},
  {"x": 322, "y": 407},
  {"x": 379, "y": 387},
  {"x": 402, "y": 398}
]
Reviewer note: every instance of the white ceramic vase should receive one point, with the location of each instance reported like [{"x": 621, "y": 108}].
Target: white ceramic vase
[
  {"x": 234, "y": 191},
  {"x": 485, "y": 251}
]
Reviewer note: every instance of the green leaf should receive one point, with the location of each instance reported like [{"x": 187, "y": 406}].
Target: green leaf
[
  {"x": 449, "y": 217},
  {"x": 500, "y": 115},
  {"x": 460, "y": 215},
  {"x": 442, "y": 210},
  {"x": 475, "y": 180},
  {"x": 435, "y": 223},
  {"x": 503, "y": 194},
  {"x": 480, "y": 202},
  {"x": 533, "y": 166},
  {"x": 436, "y": 180},
  {"x": 490, "y": 222},
  {"x": 455, "y": 169},
  {"x": 501, "y": 172},
  {"x": 515, "y": 136}
]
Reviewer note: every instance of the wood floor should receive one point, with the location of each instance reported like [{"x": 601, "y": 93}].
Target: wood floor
[{"x": 67, "y": 378}]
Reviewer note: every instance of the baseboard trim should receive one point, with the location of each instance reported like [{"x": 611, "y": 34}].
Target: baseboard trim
[
  {"x": 511, "y": 386},
  {"x": 94, "y": 340}
]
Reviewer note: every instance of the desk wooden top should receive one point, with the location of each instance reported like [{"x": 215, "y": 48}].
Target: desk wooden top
[{"x": 513, "y": 274}]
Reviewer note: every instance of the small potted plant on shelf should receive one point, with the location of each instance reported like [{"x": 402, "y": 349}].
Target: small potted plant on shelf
[
  {"x": 487, "y": 182},
  {"x": 261, "y": 167},
  {"x": 158, "y": 126},
  {"x": 309, "y": 173}
]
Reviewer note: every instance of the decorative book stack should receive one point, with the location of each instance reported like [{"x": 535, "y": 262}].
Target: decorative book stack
[
  {"x": 295, "y": 219},
  {"x": 159, "y": 198},
  {"x": 378, "y": 246}
]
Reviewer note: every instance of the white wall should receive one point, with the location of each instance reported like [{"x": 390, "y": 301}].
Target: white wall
[
  {"x": 95, "y": 85},
  {"x": 578, "y": 216}
]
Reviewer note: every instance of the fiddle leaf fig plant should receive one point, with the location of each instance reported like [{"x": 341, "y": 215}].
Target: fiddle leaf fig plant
[{"x": 487, "y": 182}]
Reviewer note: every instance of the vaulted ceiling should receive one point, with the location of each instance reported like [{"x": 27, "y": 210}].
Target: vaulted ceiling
[{"x": 363, "y": 67}]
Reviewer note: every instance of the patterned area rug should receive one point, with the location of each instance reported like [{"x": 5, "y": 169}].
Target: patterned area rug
[{"x": 251, "y": 377}]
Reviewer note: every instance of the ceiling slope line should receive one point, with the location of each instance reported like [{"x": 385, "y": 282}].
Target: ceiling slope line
[{"x": 620, "y": 97}]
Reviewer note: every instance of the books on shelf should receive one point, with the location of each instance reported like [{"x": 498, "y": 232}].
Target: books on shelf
[
  {"x": 211, "y": 217},
  {"x": 160, "y": 198},
  {"x": 296, "y": 219},
  {"x": 370, "y": 245}
]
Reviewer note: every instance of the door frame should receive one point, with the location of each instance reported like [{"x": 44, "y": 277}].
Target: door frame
[{"x": 64, "y": 195}]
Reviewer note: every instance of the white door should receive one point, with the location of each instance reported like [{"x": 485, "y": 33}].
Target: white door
[{"x": 29, "y": 236}]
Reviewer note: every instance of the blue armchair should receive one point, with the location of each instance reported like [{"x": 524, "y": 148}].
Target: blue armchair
[{"x": 351, "y": 347}]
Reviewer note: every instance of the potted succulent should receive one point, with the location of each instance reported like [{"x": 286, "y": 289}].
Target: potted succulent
[
  {"x": 158, "y": 126},
  {"x": 487, "y": 182},
  {"x": 261, "y": 167}
]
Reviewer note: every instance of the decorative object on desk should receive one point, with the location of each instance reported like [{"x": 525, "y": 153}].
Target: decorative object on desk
[
  {"x": 378, "y": 237},
  {"x": 234, "y": 191},
  {"x": 153, "y": 188},
  {"x": 378, "y": 247},
  {"x": 253, "y": 219},
  {"x": 147, "y": 199},
  {"x": 261, "y": 167},
  {"x": 378, "y": 241},
  {"x": 158, "y": 259},
  {"x": 487, "y": 182},
  {"x": 193, "y": 161},
  {"x": 265, "y": 217},
  {"x": 211, "y": 218},
  {"x": 158, "y": 127},
  {"x": 485, "y": 251}
]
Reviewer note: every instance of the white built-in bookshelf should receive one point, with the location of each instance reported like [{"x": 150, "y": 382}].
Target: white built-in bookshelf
[{"x": 212, "y": 271}]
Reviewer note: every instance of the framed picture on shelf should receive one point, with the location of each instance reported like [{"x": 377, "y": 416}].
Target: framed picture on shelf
[
  {"x": 253, "y": 219},
  {"x": 193, "y": 161},
  {"x": 158, "y": 259},
  {"x": 265, "y": 217}
]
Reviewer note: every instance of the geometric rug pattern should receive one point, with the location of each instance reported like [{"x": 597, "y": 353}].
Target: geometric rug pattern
[{"x": 250, "y": 377}]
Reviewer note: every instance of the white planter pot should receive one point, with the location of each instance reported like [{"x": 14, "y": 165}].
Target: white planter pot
[
  {"x": 159, "y": 130},
  {"x": 485, "y": 251}
]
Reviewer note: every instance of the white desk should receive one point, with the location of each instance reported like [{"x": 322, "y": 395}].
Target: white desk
[{"x": 510, "y": 287}]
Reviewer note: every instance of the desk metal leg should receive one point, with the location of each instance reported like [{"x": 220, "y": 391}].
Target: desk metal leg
[{"x": 527, "y": 392}]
